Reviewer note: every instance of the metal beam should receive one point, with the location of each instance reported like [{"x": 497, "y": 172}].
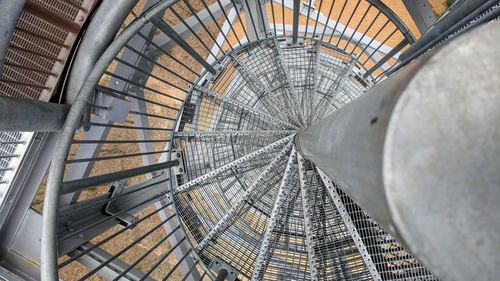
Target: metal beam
[
  {"x": 203, "y": 134},
  {"x": 82, "y": 184},
  {"x": 410, "y": 150},
  {"x": 257, "y": 23},
  {"x": 80, "y": 222},
  {"x": 421, "y": 13},
  {"x": 459, "y": 14},
  {"x": 296, "y": 14},
  {"x": 20, "y": 115},
  {"x": 388, "y": 56}
]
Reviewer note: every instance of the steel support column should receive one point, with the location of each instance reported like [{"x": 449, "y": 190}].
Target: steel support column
[
  {"x": 420, "y": 153},
  {"x": 20, "y": 115}
]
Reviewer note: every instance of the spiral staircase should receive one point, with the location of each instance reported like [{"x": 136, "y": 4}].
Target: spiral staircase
[{"x": 173, "y": 132}]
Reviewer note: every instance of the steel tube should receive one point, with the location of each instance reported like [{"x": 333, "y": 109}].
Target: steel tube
[
  {"x": 419, "y": 152},
  {"x": 20, "y": 115},
  {"x": 102, "y": 28}
]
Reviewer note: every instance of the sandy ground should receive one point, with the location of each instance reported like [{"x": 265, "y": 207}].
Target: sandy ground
[{"x": 74, "y": 271}]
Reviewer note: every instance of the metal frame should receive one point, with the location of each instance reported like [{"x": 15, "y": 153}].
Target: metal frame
[{"x": 228, "y": 104}]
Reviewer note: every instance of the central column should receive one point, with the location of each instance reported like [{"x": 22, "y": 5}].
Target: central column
[{"x": 420, "y": 152}]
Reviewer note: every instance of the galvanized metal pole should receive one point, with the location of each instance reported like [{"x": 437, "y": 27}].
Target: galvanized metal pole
[
  {"x": 20, "y": 115},
  {"x": 420, "y": 152}
]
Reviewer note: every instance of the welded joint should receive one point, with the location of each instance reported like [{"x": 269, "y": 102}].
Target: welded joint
[{"x": 330, "y": 187}]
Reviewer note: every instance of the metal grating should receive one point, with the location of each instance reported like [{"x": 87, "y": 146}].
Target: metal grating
[
  {"x": 8, "y": 143},
  {"x": 222, "y": 87}
]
